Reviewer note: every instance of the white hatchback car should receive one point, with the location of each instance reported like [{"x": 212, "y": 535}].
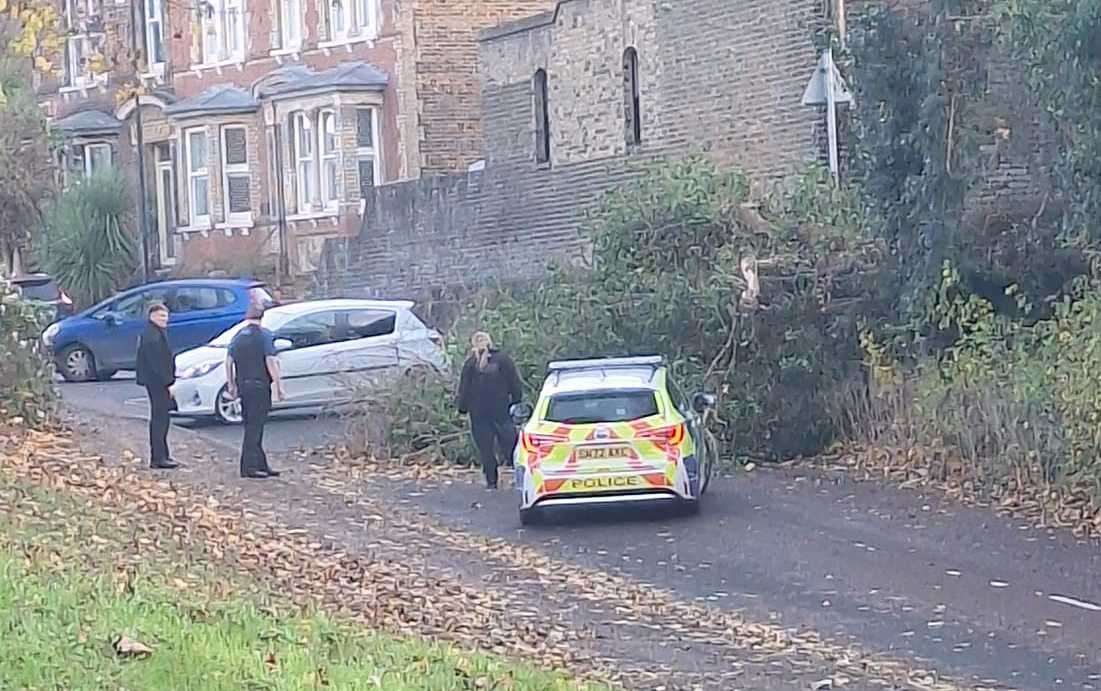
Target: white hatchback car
[{"x": 327, "y": 350}]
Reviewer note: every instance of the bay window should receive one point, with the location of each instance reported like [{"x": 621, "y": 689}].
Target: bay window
[
  {"x": 198, "y": 176},
  {"x": 330, "y": 164},
  {"x": 367, "y": 158},
  {"x": 236, "y": 177},
  {"x": 304, "y": 161}
]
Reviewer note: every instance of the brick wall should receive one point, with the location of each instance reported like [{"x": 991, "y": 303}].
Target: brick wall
[
  {"x": 446, "y": 65},
  {"x": 717, "y": 77}
]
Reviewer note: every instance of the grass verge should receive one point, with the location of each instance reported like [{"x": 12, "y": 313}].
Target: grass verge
[{"x": 69, "y": 589}]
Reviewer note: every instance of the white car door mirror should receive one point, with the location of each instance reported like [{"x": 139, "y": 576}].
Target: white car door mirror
[{"x": 283, "y": 344}]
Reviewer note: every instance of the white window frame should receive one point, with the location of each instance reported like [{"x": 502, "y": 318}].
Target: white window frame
[
  {"x": 370, "y": 153},
  {"x": 305, "y": 165},
  {"x": 292, "y": 23},
  {"x": 224, "y": 35},
  {"x": 359, "y": 20},
  {"x": 79, "y": 76},
  {"x": 365, "y": 17},
  {"x": 89, "y": 169},
  {"x": 154, "y": 17},
  {"x": 329, "y": 159},
  {"x": 239, "y": 218},
  {"x": 338, "y": 9},
  {"x": 194, "y": 174}
]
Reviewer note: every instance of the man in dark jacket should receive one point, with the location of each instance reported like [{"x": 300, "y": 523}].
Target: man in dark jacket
[
  {"x": 488, "y": 387},
  {"x": 252, "y": 371},
  {"x": 156, "y": 371}
]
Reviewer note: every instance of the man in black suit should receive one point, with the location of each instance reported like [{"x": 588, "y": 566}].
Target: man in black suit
[{"x": 156, "y": 371}]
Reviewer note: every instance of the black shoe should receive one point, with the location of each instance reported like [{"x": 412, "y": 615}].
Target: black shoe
[
  {"x": 491, "y": 487},
  {"x": 255, "y": 475},
  {"x": 164, "y": 465},
  {"x": 273, "y": 473}
]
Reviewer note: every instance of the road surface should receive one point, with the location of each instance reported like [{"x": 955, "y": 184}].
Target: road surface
[
  {"x": 287, "y": 432},
  {"x": 991, "y": 601}
]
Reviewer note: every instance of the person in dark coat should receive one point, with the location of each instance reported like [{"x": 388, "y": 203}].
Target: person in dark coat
[
  {"x": 488, "y": 387},
  {"x": 156, "y": 371},
  {"x": 252, "y": 371}
]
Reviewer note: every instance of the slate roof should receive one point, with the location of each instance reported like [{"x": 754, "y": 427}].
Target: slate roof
[
  {"x": 352, "y": 76},
  {"x": 89, "y": 122},
  {"x": 217, "y": 100}
]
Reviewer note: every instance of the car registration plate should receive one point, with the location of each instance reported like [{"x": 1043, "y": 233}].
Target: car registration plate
[{"x": 599, "y": 453}]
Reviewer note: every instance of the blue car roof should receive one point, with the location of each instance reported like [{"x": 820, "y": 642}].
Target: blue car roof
[{"x": 181, "y": 283}]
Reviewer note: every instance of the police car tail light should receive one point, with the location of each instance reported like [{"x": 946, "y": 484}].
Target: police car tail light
[
  {"x": 672, "y": 435},
  {"x": 535, "y": 443}
]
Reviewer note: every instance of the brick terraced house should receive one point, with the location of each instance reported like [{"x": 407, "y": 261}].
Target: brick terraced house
[{"x": 265, "y": 124}]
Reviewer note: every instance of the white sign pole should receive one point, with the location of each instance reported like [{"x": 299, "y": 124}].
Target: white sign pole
[{"x": 831, "y": 117}]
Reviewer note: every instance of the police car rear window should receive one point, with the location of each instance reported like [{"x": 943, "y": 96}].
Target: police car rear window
[{"x": 601, "y": 406}]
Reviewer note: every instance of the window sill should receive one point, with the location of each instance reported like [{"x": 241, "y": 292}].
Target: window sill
[
  {"x": 321, "y": 215},
  {"x": 239, "y": 63},
  {"x": 286, "y": 52},
  {"x": 348, "y": 41},
  {"x": 77, "y": 88}
]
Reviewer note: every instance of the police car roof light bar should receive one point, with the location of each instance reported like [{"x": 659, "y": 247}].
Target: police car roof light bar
[{"x": 654, "y": 361}]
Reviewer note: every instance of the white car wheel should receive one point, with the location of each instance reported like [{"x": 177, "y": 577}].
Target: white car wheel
[{"x": 228, "y": 409}]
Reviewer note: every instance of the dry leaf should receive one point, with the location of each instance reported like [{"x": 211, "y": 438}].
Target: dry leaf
[{"x": 128, "y": 647}]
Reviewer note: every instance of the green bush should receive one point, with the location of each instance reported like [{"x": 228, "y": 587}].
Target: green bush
[
  {"x": 87, "y": 244},
  {"x": 1018, "y": 404},
  {"x": 667, "y": 279},
  {"x": 27, "y": 392}
]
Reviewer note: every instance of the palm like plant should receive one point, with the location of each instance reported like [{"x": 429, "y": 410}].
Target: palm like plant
[{"x": 88, "y": 246}]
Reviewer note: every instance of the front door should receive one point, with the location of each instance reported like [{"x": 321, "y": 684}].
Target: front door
[{"x": 166, "y": 246}]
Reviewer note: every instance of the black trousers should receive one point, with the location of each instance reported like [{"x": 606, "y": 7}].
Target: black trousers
[
  {"x": 255, "y": 406},
  {"x": 160, "y": 405},
  {"x": 493, "y": 433}
]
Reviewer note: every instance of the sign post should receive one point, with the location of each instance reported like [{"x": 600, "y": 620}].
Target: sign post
[{"x": 827, "y": 88}]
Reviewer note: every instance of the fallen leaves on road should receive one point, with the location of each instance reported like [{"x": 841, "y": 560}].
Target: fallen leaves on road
[
  {"x": 405, "y": 596},
  {"x": 1070, "y": 507}
]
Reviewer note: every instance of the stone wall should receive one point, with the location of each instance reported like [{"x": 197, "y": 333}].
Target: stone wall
[
  {"x": 720, "y": 78},
  {"x": 447, "y": 84}
]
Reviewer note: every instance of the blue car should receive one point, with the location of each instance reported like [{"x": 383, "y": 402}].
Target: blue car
[{"x": 101, "y": 340}]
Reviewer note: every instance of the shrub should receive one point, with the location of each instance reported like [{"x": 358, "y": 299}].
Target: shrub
[
  {"x": 668, "y": 278},
  {"x": 27, "y": 392},
  {"x": 88, "y": 246}
]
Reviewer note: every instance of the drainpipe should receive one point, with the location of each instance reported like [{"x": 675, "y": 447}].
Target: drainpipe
[
  {"x": 139, "y": 141},
  {"x": 284, "y": 256}
]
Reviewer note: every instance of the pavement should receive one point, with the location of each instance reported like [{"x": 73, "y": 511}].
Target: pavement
[{"x": 988, "y": 600}]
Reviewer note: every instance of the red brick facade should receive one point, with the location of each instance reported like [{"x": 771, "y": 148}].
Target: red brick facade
[{"x": 270, "y": 119}]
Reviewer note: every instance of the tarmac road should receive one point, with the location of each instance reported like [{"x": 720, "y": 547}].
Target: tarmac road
[
  {"x": 991, "y": 601},
  {"x": 286, "y": 431}
]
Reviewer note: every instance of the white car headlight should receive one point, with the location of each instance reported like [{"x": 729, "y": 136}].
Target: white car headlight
[
  {"x": 50, "y": 334},
  {"x": 196, "y": 371}
]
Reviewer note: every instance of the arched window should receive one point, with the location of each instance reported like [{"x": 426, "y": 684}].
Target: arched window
[
  {"x": 542, "y": 117},
  {"x": 632, "y": 108}
]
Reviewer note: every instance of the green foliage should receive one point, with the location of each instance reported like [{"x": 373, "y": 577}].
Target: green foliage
[
  {"x": 27, "y": 174},
  {"x": 1020, "y": 403},
  {"x": 27, "y": 392},
  {"x": 88, "y": 246},
  {"x": 920, "y": 80},
  {"x": 667, "y": 279},
  {"x": 1057, "y": 44}
]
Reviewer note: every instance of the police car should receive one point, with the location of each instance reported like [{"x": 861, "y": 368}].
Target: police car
[{"x": 610, "y": 431}]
